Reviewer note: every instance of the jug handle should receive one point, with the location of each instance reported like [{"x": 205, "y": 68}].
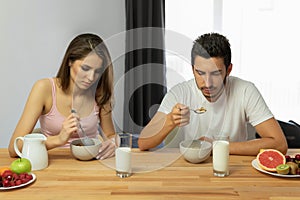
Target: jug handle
[{"x": 16, "y": 146}]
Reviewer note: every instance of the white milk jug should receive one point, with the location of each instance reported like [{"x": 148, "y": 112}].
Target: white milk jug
[{"x": 34, "y": 149}]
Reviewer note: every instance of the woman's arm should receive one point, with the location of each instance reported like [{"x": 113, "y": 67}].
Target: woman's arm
[
  {"x": 106, "y": 122},
  {"x": 69, "y": 126},
  {"x": 108, "y": 146},
  {"x": 32, "y": 110},
  {"x": 39, "y": 102}
]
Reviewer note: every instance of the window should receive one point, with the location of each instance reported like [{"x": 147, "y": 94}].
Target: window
[
  {"x": 264, "y": 37},
  {"x": 184, "y": 22}
]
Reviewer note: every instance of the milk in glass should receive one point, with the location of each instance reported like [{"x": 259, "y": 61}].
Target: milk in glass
[
  {"x": 123, "y": 154},
  {"x": 123, "y": 160},
  {"x": 221, "y": 157}
]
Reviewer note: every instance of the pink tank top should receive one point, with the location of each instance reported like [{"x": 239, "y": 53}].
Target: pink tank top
[{"x": 51, "y": 123}]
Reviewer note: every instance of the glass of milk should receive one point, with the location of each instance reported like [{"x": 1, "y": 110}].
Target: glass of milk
[
  {"x": 123, "y": 154},
  {"x": 221, "y": 155}
]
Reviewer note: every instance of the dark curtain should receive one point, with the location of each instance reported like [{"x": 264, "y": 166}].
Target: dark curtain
[{"x": 144, "y": 62}]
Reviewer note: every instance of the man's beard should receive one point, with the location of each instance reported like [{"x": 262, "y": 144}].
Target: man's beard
[{"x": 216, "y": 96}]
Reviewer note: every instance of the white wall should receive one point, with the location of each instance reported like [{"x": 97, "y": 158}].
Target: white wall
[{"x": 33, "y": 38}]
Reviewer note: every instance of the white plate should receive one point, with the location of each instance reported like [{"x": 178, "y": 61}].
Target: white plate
[
  {"x": 256, "y": 166},
  {"x": 22, "y": 185}
]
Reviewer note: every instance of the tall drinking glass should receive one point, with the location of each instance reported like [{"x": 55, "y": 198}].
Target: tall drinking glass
[
  {"x": 123, "y": 154},
  {"x": 221, "y": 155}
]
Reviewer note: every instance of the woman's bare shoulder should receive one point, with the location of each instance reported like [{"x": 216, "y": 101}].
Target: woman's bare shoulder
[{"x": 43, "y": 85}]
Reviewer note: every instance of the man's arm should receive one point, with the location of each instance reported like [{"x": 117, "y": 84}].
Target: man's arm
[
  {"x": 161, "y": 125},
  {"x": 272, "y": 137}
]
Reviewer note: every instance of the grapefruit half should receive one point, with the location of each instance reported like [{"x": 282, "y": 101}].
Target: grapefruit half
[{"x": 269, "y": 159}]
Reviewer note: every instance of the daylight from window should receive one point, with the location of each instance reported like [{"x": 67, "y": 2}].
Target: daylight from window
[{"x": 264, "y": 37}]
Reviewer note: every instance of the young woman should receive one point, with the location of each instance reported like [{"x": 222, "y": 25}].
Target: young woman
[{"x": 83, "y": 83}]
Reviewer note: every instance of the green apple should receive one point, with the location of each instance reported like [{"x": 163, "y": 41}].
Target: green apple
[{"x": 21, "y": 165}]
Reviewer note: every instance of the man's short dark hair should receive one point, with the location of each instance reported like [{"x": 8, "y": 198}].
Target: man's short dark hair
[{"x": 212, "y": 45}]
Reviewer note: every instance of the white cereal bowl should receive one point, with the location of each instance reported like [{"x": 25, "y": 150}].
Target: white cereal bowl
[
  {"x": 195, "y": 151},
  {"x": 81, "y": 152}
]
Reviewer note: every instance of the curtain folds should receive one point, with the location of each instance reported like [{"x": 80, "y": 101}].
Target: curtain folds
[{"x": 145, "y": 83}]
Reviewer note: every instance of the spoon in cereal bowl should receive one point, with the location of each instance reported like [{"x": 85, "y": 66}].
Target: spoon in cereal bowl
[{"x": 86, "y": 141}]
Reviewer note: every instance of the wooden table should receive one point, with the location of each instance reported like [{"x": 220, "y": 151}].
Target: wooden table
[{"x": 67, "y": 178}]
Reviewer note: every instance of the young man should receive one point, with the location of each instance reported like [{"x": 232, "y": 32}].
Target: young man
[{"x": 230, "y": 102}]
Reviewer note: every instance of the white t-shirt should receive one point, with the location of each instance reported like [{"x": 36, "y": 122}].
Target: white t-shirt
[{"x": 241, "y": 102}]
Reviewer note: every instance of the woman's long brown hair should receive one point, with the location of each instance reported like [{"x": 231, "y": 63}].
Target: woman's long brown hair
[{"x": 79, "y": 48}]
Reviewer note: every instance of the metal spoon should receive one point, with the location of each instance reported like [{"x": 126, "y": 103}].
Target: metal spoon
[
  {"x": 86, "y": 141},
  {"x": 199, "y": 110}
]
